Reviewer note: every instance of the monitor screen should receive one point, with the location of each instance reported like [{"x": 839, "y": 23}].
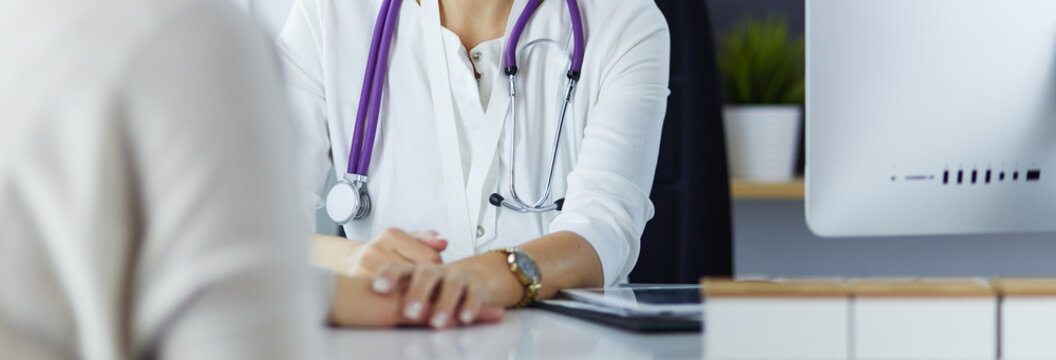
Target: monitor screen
[{"x": 930, "y": 117}]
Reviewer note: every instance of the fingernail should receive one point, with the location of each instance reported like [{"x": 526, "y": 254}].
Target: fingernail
[
  {"x": 382, "y": 285},
  {"x": 439, "y": 320},
  {"x": 413, "y": 310},
  {"x": 466, "y": 317}
]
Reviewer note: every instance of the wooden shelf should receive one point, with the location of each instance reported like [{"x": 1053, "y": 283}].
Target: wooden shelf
[{"x": 745, "y": 190}]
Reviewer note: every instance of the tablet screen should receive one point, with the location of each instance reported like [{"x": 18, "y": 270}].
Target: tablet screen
[{"x": 667, "y": 295}]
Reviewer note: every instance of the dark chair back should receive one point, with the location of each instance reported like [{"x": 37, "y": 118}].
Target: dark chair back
[{"x": 690, "y": 236}]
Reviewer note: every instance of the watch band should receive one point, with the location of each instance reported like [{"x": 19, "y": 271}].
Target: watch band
[{"x": 530, "y": 282}]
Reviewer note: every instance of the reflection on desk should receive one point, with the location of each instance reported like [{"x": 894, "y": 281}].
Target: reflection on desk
[{"x": 523, "y": 334}]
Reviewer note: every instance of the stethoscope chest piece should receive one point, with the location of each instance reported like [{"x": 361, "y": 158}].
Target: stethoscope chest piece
[{"x": 348, "y": 200}]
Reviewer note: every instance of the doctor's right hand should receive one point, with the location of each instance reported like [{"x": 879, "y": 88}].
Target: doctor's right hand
[
  {"x": 396, "y": 246},
  {"x": 356, "y": 303},
  {"x": 438, "y": 295}
]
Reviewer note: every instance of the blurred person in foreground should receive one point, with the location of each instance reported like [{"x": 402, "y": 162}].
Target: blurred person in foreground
[{"x": 145, "y": 205}]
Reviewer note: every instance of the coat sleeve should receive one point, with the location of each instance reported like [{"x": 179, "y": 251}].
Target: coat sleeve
[{"x": 607, "y": 200}]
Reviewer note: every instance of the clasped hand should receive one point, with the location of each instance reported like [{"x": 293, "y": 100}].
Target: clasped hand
[{"x": 413, "y": 285}]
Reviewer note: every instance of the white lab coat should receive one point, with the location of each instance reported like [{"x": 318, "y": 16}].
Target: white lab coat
[
  {"x": 142, "y": 162},
  {"x": 441, "y": 151}
]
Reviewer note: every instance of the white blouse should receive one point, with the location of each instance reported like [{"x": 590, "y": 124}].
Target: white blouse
[{"x": 441, "y": 150}]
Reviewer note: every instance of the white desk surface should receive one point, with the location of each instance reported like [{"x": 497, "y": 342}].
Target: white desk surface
[{"x": 523, "y": 334}]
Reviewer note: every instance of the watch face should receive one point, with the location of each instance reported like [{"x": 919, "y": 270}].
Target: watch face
[{"x": 528, "y": 267}]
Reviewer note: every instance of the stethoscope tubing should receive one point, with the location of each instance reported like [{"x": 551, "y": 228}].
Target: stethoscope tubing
[
  {"x": 365, "y": 132},
  {"x": 522, "y": 23}
]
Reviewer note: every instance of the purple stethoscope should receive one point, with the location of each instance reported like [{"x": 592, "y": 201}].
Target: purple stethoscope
[{"x": 348, "y": 200}]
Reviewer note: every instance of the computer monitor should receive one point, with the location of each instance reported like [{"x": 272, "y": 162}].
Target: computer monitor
[{"x": 930, "y": 117}]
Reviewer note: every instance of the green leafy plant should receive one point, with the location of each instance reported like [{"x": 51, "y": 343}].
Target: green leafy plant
[{"x": 761, "y": 64}]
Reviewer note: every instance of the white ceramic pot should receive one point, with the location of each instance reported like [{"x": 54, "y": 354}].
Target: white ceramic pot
[{"x": 761, "y": 141}]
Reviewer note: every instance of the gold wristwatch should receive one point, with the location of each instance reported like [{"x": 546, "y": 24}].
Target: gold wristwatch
[{"x": 526, "y": 271}]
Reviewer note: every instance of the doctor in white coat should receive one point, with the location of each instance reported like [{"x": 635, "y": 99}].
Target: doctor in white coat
[{"x": 445, "y": 125}]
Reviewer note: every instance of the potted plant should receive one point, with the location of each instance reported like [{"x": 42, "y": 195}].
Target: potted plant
[{"x": 762, "y": 69}]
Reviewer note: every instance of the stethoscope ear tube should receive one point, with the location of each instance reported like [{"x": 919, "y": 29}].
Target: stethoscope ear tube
[
  {"x": 498, "y": 200},
  {"x": 518, "y": 204}
]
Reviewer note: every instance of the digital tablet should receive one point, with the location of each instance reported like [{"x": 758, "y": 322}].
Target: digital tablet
[
  {"x": 639, "y": 323},
  {"x": 644, "y": 299}
]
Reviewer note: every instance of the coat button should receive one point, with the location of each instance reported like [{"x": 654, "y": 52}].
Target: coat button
[
  {"x": 476, "y": 56},
  {"x": 480, "y": 231}
]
